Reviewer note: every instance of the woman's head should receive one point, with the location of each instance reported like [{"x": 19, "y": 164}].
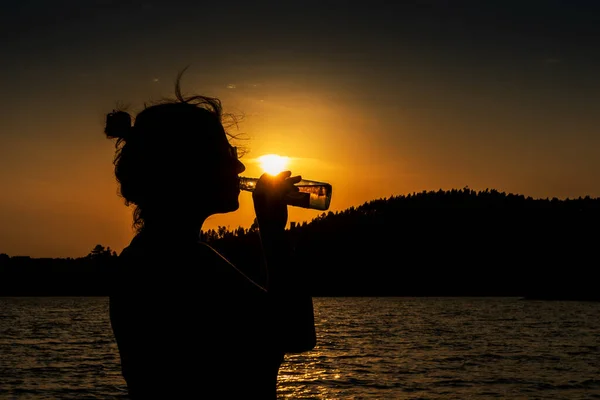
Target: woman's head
[{"x": 175, "y": 162}]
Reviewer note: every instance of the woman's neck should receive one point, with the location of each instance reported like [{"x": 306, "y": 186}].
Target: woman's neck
[{"x": 171, "y": 231}]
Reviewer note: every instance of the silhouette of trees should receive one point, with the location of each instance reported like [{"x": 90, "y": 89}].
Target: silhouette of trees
[
  {"x": 101, "y": 253},
  {"x": 455, "y": 242}
]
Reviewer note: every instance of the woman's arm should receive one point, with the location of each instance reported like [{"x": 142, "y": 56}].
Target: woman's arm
[{"x": 292, "y": 303}]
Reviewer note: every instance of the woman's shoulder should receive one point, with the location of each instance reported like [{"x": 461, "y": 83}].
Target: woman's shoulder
[
  {"x": 203, "y": 249},
  {"x": 159, "y": 248},
  {"x": 223, "y": 267},
  {"x": 196, "y": 261}
]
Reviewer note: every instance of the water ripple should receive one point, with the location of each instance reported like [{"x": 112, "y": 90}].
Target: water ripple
[{"x": 368, "y": 348}]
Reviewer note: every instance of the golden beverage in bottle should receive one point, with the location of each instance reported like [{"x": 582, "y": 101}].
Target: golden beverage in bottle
[{"x": 312, "y": 194}]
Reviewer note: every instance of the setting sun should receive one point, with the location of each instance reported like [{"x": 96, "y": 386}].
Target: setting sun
[{"x": 272, "y": 163}]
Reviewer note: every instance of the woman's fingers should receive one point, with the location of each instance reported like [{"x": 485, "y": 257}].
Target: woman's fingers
[
  {"x": 295, "y": 179},
  {"x": 284, "y": 174},
  {"x": 282, "y": 183}
]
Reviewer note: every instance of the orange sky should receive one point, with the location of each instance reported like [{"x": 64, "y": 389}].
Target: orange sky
[{"x": 381, "y": 102}]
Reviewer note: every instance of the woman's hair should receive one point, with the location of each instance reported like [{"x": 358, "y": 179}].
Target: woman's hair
[{"x": 149, "y": 151}]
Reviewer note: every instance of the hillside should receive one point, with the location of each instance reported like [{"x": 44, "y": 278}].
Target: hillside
[{"x": 438, "y": 243}]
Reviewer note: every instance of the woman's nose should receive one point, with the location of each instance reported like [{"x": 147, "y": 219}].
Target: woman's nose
[{"x": 240, "y": 167}]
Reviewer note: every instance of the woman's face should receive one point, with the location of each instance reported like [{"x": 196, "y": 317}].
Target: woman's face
[{"x": 222, "y": 189}]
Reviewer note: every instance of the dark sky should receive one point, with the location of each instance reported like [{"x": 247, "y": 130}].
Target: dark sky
[{"x": 378, "y": 98}]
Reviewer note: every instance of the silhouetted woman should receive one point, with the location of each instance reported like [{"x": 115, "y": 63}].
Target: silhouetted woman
[{"x": 188, "y": 323}]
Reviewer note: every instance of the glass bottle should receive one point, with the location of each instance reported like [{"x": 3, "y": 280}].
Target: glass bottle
[{"x": 312, "y": 194}]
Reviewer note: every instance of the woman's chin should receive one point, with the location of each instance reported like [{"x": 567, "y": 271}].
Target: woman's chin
[{"x": 227, "y": 206}]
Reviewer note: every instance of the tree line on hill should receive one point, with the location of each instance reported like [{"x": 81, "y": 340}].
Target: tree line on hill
[{"x": 433, "y": 243}]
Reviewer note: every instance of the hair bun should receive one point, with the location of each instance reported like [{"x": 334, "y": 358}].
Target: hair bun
[{"x": 118, "y": 125}]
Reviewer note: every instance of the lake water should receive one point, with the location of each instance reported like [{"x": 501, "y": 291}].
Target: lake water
[{"x": 368, "y": 348}]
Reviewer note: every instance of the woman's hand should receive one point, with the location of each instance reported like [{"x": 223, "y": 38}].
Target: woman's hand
[{"x": 270, "y": 199}]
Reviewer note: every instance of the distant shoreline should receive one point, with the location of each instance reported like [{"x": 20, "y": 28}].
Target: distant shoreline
[{"x": 437, "y": 243}]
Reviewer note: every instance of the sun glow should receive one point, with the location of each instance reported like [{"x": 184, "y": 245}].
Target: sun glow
[{"x": 272, "y": 163}]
